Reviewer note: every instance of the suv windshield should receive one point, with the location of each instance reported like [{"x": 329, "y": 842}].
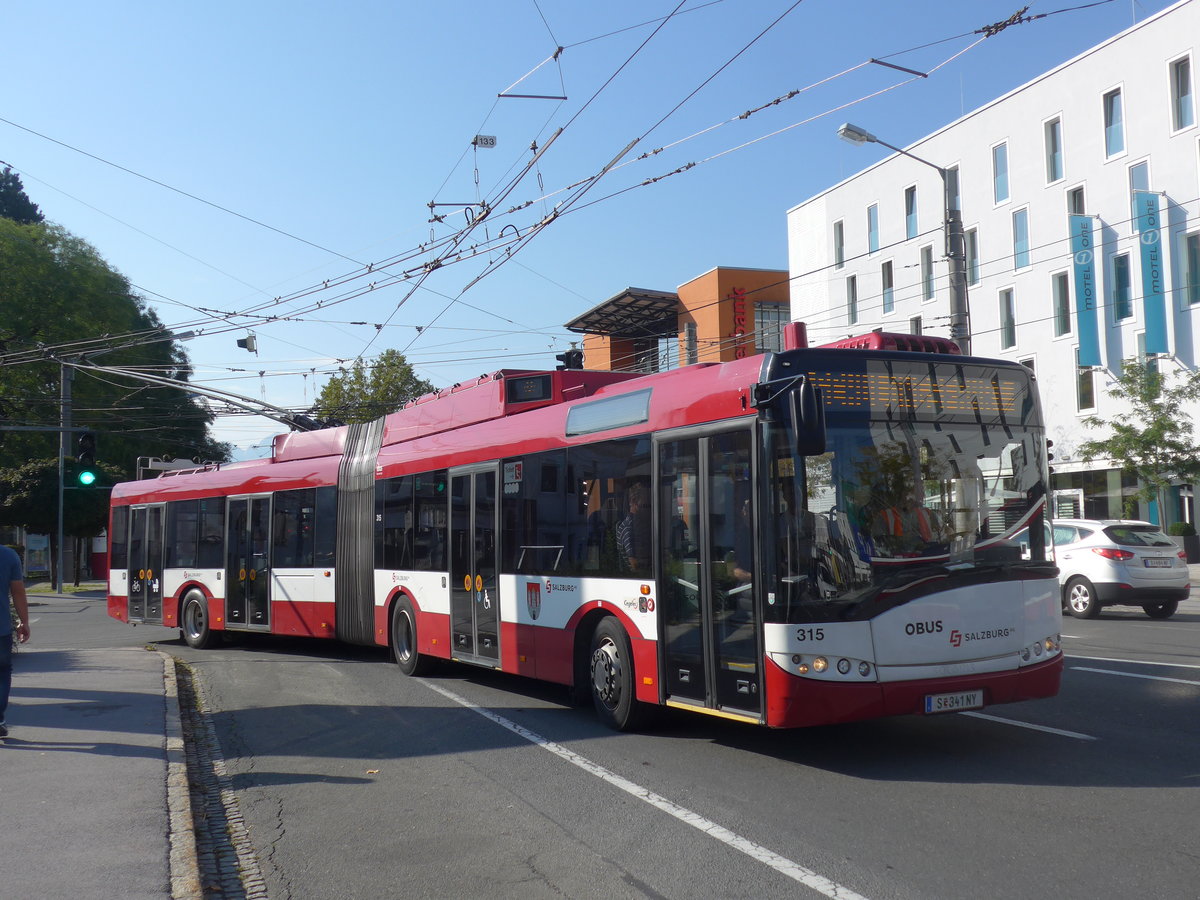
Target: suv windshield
[
  {"x": 1138, "y": 536},
  {"x": 934, "y": 477}
]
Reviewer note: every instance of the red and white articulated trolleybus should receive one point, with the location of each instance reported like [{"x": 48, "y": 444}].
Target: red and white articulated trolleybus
[{"x": 811, "y": 536}]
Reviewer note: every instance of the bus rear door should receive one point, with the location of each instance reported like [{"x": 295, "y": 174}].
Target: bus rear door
[
  {"x": 707, "y": 606},
  {"x": 146, "y": 552},
  {"x": 474, "y": 587},
  {"x": 247, "y": 570}
]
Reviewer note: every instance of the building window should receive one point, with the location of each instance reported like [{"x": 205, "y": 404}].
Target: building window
[
  {"x": 953, "y": 199},
  {"x": 1121, "y": 298},
  {"x": 1030, "y": 364},
  {"x": 691, "y": 343},
  {"x": 1114, "y": 128},
  {"x": 1182, "y": 114},
  {"x": 914, "y": 325},
  {"x": 852, "y": 300},
  {"x": 1008, "y": 320},
  {"x": 1075, "y": 202},
  {"x": 769, "y": 319},
  {"x": 972, "y": 249},
  {"x": 1191, "y": 263},
  {"x": 1020, "y": 226},
  {"x": 839, "y": 245},
  {"x": 889, "y": 296},
  {"x": 1085, "y": 387},
  {"x": 926, "y": 273},
  {"x": 1060, "y": 289},
  {"x": 1150, "y": 362},
  {"x": 1139, "y": 180},
  {"x": 910, "y": 212},
  {"x": 872, "y": 228},
  {"x": 1054, "y": 155},
  {"x": 1000, "y": 173}
]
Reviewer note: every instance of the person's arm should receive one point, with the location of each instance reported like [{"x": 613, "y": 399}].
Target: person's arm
[{"x": 17, "y": 590}]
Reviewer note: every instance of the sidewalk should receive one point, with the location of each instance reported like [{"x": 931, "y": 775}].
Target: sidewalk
[{"x": 93, "y": 779}]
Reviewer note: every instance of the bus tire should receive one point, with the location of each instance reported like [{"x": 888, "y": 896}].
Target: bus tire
[
  {"x": 193, "y": 621},
  {"x": 404, "y": 641},
  {"x": 1082, "y": 601},
  {"x": 612, "y": 678}
]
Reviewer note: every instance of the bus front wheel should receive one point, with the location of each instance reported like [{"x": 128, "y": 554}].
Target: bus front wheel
[
  {"x": 404, "y": 641},
  {"x": 612, "y": 678}
]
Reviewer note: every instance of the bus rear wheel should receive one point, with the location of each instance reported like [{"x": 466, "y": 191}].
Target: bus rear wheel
[
  {"x": 404, "y": 641},
  {"x": 613, "y": 678},
  {"x": 193, "y": 621}
]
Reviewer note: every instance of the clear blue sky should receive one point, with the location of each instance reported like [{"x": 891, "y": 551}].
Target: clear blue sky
[{"x": 337, "y": 123}]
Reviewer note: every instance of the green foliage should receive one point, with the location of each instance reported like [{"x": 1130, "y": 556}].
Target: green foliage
[
  {"x": 1152, "y": 437},
  {"x": 29, "y": 497},
  {"x": 55, "y": 289},
  {"x": 1182, "y": 529},
  {"x": 14, "y": 203},
  {"x": 364, "y": 393}
]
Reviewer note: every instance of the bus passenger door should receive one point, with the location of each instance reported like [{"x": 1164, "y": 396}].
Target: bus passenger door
[
  {"x": 247, "y": 574},
  {"x": 474, "y": 586},
  {"x": 146, "y": 563},
  {"x": 707, "y": 604}
]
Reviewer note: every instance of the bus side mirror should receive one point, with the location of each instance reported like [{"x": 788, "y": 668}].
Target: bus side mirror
[{"x": 807, "y": 412}]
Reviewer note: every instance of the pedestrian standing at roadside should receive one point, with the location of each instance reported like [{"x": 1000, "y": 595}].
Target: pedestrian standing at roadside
[{"x": 14, "y": 596}]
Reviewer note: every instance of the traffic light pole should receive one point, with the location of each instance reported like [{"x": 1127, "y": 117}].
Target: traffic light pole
[{"x": 65, "y": 375}]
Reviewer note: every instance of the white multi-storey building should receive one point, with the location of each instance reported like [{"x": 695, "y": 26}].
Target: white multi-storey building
[{"x": 1100, "y": 154}]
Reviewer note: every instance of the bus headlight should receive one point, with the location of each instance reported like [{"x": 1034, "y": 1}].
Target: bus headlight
[
  {"x": 843, "y": 666},
  {"x": 820, "y": 664},
  {"x": 864, "y": 669}
]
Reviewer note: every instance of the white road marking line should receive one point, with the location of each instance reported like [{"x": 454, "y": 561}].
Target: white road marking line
[
  {"x": 1134, "y": 662},
  {"x": 1136, "y": 675},
  {"x": 784, "y": 866},
  {"x": 1046, "y": 728}
]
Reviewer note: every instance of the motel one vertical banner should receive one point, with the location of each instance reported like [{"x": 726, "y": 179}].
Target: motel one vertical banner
[
  {"x": 1083, "y": 252},
  {"x": 1145, "y": 205}
]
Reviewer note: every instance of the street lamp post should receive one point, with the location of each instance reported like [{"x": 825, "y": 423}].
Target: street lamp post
[{"x": 960, "y": 315}]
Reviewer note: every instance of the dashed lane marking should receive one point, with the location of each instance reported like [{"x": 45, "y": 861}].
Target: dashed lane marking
[{"x": 784, "y": 866}]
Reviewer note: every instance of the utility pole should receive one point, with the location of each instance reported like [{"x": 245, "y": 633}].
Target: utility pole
[{"x": 956, "y": 249}]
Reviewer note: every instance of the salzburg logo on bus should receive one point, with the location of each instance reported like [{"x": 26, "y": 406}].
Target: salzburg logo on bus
[{"x": 533, "y": 598}]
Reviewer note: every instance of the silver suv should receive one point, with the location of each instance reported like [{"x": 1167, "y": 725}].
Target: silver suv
[{"x": 1118, "y": 563}]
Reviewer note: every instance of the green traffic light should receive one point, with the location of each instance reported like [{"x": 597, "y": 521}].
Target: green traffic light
[{"x": 86, "y": 477}]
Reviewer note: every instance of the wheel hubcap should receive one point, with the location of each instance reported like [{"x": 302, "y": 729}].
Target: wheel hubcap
[
  {"x": 606, "y": 674},
  {"x": 1080, "y": 599},
  {"x": 404, "y": 639},
  {"x": 194, "y": 619}
]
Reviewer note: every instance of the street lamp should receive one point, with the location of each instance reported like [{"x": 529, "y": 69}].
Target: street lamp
[{"x": 960, "y": 316}]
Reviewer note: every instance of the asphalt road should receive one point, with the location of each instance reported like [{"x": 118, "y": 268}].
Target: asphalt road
[{"x": 358, "y": 782}]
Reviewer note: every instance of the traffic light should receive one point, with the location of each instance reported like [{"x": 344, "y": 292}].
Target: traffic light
[
  {"x": 85, "y": 459},
  {"x": 571, "y": 359}
]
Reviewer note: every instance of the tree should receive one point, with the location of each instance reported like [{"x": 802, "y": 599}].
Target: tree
[
  {"x": 1153, "y": 437},
  {"x": 14, "y": 204},
  {"x": 55, "y": 289},
  {"x": 364, "y": 393}
]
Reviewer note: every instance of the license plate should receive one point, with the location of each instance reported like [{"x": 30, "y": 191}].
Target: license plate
[
  {"x": 1157, "y": 562},
  {"x": 940, "y": 703}
]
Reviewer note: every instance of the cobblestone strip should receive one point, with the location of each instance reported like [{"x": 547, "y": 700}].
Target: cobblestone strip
[
  {"x": 184, "y": 868},
  {"x": 228, "y": 868}
]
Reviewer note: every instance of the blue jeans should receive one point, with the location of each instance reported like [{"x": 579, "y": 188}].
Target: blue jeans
[{"x": 5, "y": 673}]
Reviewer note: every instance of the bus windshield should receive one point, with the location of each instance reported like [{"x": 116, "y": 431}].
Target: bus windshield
[{"x": 934, "y": 477}]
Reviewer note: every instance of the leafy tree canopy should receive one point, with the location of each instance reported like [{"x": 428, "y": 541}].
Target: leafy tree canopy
[
  {"x": 55, "y": 289},
  {"x": 1153, "y": 436},
  {"x": 14, "y": 204},
  {"x": 367, "y": 392}
]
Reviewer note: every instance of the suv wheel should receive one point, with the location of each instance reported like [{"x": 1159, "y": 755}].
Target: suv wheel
[
  {"x": 1161, "y": 610},
  {"x": 1082, "y": 602}
]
